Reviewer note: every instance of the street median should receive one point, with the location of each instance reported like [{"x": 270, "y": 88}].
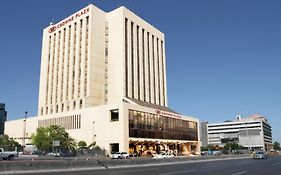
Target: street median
[{"x": 44, "y": 164}]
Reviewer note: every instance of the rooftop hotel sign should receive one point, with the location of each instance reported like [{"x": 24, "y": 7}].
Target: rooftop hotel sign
[
  {"x": 69, "y": 19},
  {"x": 167, "y": 114}
]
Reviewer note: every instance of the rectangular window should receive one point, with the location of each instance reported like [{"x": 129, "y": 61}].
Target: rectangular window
[
  {"x": 114, "y": 147},
  {"x": 114, "y": 115}
]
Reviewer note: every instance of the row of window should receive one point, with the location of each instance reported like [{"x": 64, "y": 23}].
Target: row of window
[
  {"x": 242, "y": 127},
  {"x": 146, "y": 125},
  {"x": 144, "y": 65},
  {"x": 106, "y": 64},
  {"x": 68, "y": 122},
  {"x": 236, "y": 124},
  {"x": 67, "y": 71},
  {"x": 67, "y": 106}
]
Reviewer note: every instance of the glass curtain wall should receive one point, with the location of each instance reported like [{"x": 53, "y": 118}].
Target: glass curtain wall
[{"x": 147, "y": 125}]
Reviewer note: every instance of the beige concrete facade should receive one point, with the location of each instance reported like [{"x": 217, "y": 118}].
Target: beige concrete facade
[
  {"x": 93, "y": 125},
  {"x": 92, "y": 58},
  {"x": 94, "y": 63},
  {"x": 72, "y": 62}
]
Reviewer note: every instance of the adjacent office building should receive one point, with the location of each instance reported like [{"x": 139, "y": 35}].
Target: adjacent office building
[
  {"x": 204, "y": 134},
  {"x": 103, "y": 78},
  {"x": 3, "y": 117},
  {"x": 253, "y": 132}
]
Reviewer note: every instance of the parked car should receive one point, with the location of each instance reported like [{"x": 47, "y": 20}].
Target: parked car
[
  {"x": 260, "y": 155},
  {"x": 217, "y": 153},
  {"x": 163, "y": 155},
  {"x": 7, "y": 155},
  {"x": 55, "y": 154},
  {"x": 133, "y": 155},
  {"x": 120, "y": 155}
]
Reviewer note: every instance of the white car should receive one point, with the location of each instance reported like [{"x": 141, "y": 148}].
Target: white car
[
  {"x": 163, "y": 156},
  {"x": 55, "y": 154},
  {"x": 120, "y": 155},
  {"x": 8, "y": 155}
]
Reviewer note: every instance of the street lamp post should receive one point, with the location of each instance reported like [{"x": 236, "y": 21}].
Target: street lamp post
[{"x": 24, "y": 129}]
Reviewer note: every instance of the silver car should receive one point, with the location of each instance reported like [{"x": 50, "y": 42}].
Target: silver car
[
  {"x": 120, "y": 155},
  {"x": 260, "y": 155}
]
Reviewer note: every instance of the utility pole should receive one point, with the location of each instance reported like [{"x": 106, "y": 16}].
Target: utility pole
[{"x": 24, "y": 129}]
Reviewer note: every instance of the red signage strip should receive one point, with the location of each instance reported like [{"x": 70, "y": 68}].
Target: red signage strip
[
  {"x": 167, "y": 114},
  {"x": 69, "y": 19}
]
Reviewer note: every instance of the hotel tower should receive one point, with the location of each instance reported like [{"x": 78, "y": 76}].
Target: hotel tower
[{"x": 103, "y": 78}]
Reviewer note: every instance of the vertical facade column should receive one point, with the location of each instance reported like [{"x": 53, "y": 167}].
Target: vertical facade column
[
  {"x": 135, "y": 62},
  {"x": 43, "y": 103},
  {"x": 60, "y": 70},
  {"x": 151, "y": 59},
  {"x": 126, "y": 58},
  {"x": 77, "y": 58},
  {"x": 146, "y": 73},
  {"x": 129, "y": 60},
  {"x": 83, "y": 64},
  {"x": 141, "y": 61},
  {"x": 71, "y": 69},
  {"x": 65, "y": 70},
  {"x": 161, "y": 99},
  {"x": 51, "y": 71},
  {"x": 156, "y": 75},
  {"x": 55, "y": 75},
  {"x": 164, "y": 75}
]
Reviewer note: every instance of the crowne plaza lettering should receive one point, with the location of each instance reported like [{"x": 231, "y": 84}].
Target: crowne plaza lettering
[
  {"x": 167, "y": 114},
  {"x": 54, "y": 27}
]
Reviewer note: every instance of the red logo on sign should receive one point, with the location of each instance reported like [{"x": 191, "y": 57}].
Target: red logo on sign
[
  {"x": 67, "y": 20},
  {"x": 158, "y": 112},
  {"x": 52, "y": 29}
]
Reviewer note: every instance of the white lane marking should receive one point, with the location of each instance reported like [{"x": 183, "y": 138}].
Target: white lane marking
[
  {"x": 242, "y": 172},
  {"x": 178, "y": 172},
  {"x": 134, "y": 170},
  {"x": 275, "y": 164}
]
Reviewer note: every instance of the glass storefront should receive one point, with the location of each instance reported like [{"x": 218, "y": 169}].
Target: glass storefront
[{"x": 147, "y": 125}]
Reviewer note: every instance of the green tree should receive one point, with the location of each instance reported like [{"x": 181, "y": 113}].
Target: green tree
[
  {"x": 204, "y": 148},
  {"x": 9, "y": 144},
  {"x": 231, "y": 146},
  {"x": 42, "y": 140},
  {"x": 212, "y": 147},
  {"x": 276, "y": 146},
  {"x": 45, "y": 136},
  {"x": 82, "y": 144}
]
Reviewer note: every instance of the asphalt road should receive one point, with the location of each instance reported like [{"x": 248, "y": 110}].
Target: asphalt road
[{"x": 247, "y": 166}]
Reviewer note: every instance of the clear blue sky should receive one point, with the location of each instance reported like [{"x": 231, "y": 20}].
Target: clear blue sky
[{"x": 223, "y": 56}]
